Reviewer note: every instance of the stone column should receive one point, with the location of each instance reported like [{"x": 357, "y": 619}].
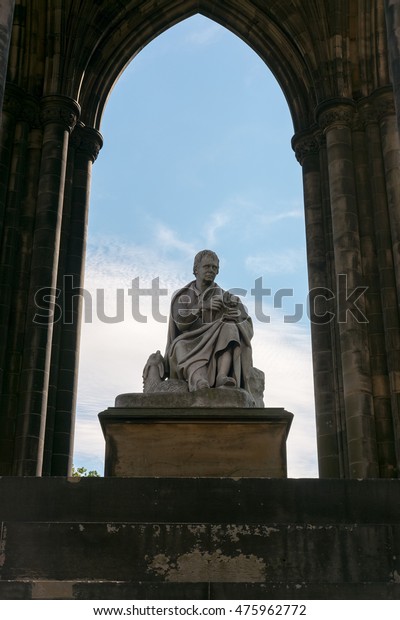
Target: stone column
[
  {"x": 390, "y": 354},
  {"x": 86, "y": 144},
  {"x": 335, "y": 118},
  {"x": 6, "y": 19},
  {"x": 307, "y": 149},
  {"x": 59, "y": 116},
  {"x": 60, "y": 320},
  {"x": 372, "y": 221},
  {"x": 383, "y": 101},
  {"x": 13, "y": 172},
  {"x": 384, "y": 105},
  {"x": 11, "y": 112},
  {"x": 17, "y": 312},
  {"x": 392, "y": 14}
]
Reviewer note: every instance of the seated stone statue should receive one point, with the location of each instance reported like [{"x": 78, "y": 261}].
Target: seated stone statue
[
  {"x": 208, "y": 342},
  {"x": 209, "y": 332}
]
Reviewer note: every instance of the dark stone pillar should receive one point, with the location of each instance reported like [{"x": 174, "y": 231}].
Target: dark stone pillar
[
  {"x": 13, "y": 169},
  {"x": 367, "y": 160},
  {"x": 391, "y": 162},
  {"x": 392, "y": 14},
  {"x": 391, "y": 159},
  {"x": 6, "y": 18},
  {"x": 387, "y": 279},
  {"x": 59, "y": 115},
  {"x": 19, "y": 299},
  {"x": 84, "y": 148},
  {"x": 11, "y": 112},
  {"x": 335, "y": 118},
  {"x": 307, "y": 148}
]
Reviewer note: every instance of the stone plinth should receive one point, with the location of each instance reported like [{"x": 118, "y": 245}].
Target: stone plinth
[
  {"x": 226, "y": 398},
  {"x": 196, "y": 441}
]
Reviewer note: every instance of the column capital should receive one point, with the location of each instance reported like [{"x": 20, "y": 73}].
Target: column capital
[
  {"x": 358, "y": 123},
  {"x": 335, "y": 112},
  {"x": 61, "y": 110},
  {"x": 306, "y": 143},
  {"x": 367, "y": 112},
  {"x": 384, "y": 102},
  {"x": 86, "y": 140},
  {"x": 377, "y": 105}
]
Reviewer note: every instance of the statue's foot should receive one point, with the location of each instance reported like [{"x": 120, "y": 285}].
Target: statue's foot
[
  {"x": 202, "y": 384},
  {"x": 225, "y": 381}
]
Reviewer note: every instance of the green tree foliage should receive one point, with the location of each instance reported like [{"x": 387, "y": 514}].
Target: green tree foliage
[{"x": 82, "y": 472}]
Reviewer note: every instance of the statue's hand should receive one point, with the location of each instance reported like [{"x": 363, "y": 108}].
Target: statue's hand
[
  {"x": 232, "y": 314},
  {"x": 215, "y": 303}
]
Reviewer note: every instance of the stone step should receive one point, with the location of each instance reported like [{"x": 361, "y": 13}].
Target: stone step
[
  {"x": 200, "y": 552},
  {"x": 140, "y": 591},
  {"x": 205, "y": 500}
]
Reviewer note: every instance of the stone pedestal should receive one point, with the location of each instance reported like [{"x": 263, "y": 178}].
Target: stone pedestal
[{"x": 220, "y": 441}]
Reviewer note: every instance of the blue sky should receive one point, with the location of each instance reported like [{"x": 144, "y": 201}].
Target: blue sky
[{"x": 196, "y": 154}]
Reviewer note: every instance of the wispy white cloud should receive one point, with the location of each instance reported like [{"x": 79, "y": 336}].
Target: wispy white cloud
[
  {"x": 250, "y": 215},
  {"x": 266, "y": 216},
  {"x": 268, "y": 219},
  {"x": 285, "y": 261},
  {"x": 218, "y": 220},
  {"x": 204, "y": 35},
  {"x": 169, "y": 239}
]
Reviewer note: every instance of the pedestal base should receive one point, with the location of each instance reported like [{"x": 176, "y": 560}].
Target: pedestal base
[{"x": 203, "y": 442}]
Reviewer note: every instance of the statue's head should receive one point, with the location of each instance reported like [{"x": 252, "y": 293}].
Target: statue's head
[{"x": 198, "y": 259}]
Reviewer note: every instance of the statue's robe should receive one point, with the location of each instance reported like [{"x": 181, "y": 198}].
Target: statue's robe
[{"x": 197, "y": 336}]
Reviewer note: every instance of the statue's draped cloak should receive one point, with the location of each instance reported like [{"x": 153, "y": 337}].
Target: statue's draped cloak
[{"x": 197, "y": 336}]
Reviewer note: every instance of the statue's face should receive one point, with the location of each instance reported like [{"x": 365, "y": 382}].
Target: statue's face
[{"x": 208, "y": 269}]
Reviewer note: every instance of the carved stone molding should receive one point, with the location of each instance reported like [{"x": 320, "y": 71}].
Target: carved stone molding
[
  {"x": 61, "y": 110},
  {"x": 378, "y": 105},
  {"x": 87, "y": 140},
  {"x": 13, "y": 100},
  {"x": 306, "y": 144},
  {"x": 385, "y": 106},
  {"x": 335, "y": 112},
  {"x": 20, "y": 106},
  {"x": 321, "y": 137},
  {"x": 368, "y": 113},
  {"x": 30, "y": 112},
  {"x": 358, "y": 122}
]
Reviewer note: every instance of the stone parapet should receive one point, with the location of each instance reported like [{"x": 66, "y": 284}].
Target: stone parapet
[{"x": 199, "y": 538}]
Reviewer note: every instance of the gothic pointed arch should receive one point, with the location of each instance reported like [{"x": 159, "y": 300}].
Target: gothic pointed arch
[{"x": 124, "y": 36}]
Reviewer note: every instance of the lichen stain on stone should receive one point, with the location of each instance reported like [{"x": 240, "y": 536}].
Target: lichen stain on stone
[
  {"x": 74, "y": 479},
  {"x": 197, "y": 566},
  {"x": 197, "y": 529},
  {"x": 234, "y": 532},
  {"x": 311, "y": 526},
  {"x": 395, "y": 577},
  {"x": 160, "y": 564}
]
